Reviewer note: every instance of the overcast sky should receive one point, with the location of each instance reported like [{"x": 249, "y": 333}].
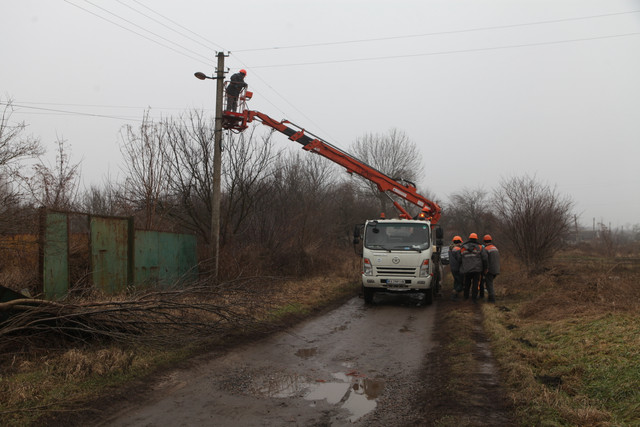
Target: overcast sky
[{"x": 488, "y": 90}]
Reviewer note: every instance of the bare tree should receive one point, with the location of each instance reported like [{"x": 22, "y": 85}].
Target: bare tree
[
  {"x": 296, "y": 220},
  {"x": 610, "y": 240},
  {"x": 147, "y": 168},
  {"x": 15, "y": 147},
  {"x": 535, "y": 219},
  {"x": 55, "y": 186},
  {"x": 105, "y": 200},
  {"x": 393, "y": 154},
  {"x": 246, "y": 163},
  {"x": 189, "y": 150},
  {"x": 469, "y": 211}
]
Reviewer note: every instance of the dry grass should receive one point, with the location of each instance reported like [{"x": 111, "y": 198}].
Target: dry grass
[
  {"x": 62, "y": 379},
  {"x": 568, "y": 341}
]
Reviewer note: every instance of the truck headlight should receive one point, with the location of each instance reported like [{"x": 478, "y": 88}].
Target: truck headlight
[
  {"x": 367, "y": 268},
  {"x": 424, "y": 268}
]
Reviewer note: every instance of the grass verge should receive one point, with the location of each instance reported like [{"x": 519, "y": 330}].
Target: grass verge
[{"x": 568, "y": 343}]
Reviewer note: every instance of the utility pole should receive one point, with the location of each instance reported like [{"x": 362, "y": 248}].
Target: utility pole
[
  {"x": 217, "y": 169},
  {"x": 214, "y": 240}
]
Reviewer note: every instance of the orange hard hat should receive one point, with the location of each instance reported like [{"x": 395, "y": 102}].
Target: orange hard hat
[
  {"x": 473, "y": 236},
  {"x": 457, "y": 239},
  {"x": 243, "y": 71},
  {"x": 487, "y": 238}
]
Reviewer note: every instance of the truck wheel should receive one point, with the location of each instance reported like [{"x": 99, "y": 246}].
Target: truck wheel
[
  {"x": 428, "y": 296},
  {"x": 368, "y": 295}
]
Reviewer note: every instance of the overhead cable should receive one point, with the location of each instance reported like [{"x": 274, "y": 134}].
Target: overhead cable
[
  {"x": 447, "y": 52},
  {"x": 136, "y": 33},
  {"x": 436, "y": 33},
  {"x": 183, "y": 27}
]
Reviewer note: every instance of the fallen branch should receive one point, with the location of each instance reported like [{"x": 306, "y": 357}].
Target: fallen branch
[{"x": 172, "y": 316}]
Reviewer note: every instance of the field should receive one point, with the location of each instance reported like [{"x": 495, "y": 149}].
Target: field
[{"x": 566, "y": 346}]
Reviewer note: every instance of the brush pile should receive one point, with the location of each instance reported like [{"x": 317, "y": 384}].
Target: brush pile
[{"x": 158, "y": 317}]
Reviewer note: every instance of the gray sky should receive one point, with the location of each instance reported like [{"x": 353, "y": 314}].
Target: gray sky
[{"x": 488, "y": 90}]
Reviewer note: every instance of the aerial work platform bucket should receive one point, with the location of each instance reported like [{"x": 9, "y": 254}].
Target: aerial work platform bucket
[{"x": 231, "y": 118}]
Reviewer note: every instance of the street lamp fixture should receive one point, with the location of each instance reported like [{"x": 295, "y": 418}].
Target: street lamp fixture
[{"x": 203, "y": 76}]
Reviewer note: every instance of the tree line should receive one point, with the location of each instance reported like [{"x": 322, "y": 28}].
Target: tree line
[{"x": 284, "y": 211}]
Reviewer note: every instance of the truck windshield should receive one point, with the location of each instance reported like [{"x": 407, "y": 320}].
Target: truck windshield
[{"x": 397, "y": 236}]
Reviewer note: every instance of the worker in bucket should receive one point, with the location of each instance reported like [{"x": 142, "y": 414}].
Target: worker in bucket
[{"x": 234, "y": 88}]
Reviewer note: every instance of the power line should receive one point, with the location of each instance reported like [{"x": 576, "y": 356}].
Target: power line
[
  {"x": 55, "y": 111},
  {"x": 495, "y": 27},
  {"x": 165, "y": 25},
  {"x": 448, "y": 52},
  {"x": 75, "y": 113},
  {"x": 96, "y": 105},
  {"x": 144, "y": 29},
  {"x": 136, "y": 33},
  {"x": 181, "y": 26}
]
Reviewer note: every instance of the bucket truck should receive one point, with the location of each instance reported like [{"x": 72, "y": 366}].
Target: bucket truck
[{"x": 399, "y": 255}]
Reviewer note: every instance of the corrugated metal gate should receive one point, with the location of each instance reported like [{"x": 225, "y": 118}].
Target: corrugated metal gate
[
  {"x": 110, "y": 253},
  {"x": 119, "y": 255},
  {"x": 55, "y": 255}
]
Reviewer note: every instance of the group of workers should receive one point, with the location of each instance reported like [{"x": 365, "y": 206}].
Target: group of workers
[{"x": 474, "y": 266}]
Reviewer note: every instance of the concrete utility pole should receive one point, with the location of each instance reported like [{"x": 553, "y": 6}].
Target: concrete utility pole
[
  {"x": 217, "y": 169},
  {"x": 217, "y": 166}
]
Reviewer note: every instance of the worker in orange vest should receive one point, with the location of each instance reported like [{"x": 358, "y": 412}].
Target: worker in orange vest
[
  {"x": 493, "y": 266},
  {"x": 454, "y": 266}
]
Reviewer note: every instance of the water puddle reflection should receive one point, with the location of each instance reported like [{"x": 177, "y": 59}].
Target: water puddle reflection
[{"x": 352, "y": 391}]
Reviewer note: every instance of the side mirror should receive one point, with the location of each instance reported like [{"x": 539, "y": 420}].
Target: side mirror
[
  {"x": 356, "y": 235},
  {"x": 439, "y": 236}
]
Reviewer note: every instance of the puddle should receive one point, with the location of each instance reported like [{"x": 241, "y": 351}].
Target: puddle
[
  {"x": 362, "y": 398},
  {"x": 352, "y": 391}
]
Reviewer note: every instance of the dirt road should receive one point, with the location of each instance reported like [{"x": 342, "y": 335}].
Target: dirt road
[{"x": 356, "y": 365}]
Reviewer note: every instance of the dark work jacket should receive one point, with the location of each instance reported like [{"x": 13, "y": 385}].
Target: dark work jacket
[
  {"x": 454, "y": 259},
  {"x": 236, "y": 84},
  {"x": 474, "y": 258},
  {"x": 493, "y": 258}
]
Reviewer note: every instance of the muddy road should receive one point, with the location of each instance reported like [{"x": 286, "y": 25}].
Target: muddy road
[{"x": 355, "y": 365}]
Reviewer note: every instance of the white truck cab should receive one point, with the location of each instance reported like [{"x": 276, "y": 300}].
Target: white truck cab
[{"x": 399, "y": 255}]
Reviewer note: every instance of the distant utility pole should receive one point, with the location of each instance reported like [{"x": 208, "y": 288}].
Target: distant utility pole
[{"x": 214, "y": 240}]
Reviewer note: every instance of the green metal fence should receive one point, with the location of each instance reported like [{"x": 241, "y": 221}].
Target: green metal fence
[
  {"x": 55, "y": 255},
  {"x": 164, "y": 259},
  {"x": 119, "y": 255}
]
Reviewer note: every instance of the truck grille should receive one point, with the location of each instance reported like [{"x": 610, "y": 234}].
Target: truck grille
[{"x": 395, "y": 271}]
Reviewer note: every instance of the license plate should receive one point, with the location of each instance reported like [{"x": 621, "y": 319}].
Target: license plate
[{"x": 395, "y": 281}]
